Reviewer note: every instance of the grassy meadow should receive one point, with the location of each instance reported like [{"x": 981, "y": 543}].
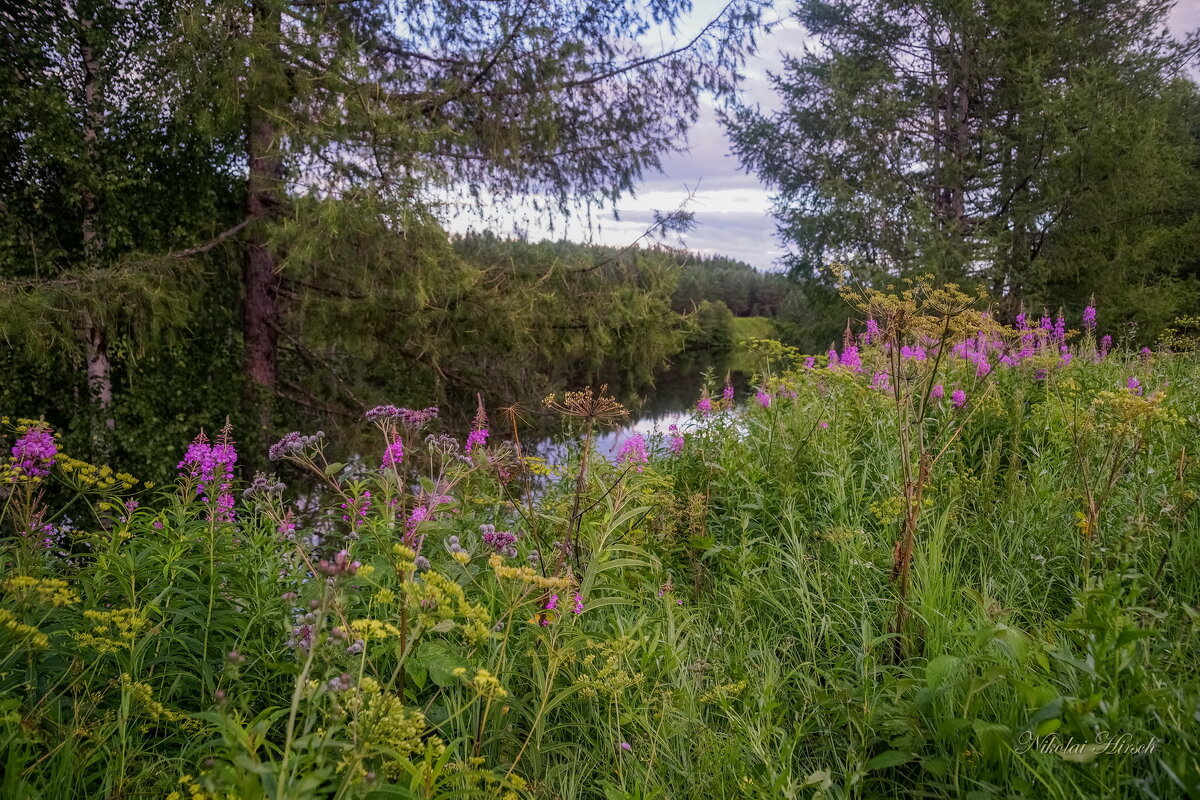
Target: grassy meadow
[{"x": 950, "y": 558}]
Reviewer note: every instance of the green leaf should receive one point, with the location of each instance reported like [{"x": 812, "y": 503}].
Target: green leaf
[
  {"x": 890, "y": 758},
  {"x": 940, "y": 668}
]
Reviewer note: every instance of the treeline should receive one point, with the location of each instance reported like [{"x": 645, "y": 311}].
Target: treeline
[{"x": 1044, "y": 152}]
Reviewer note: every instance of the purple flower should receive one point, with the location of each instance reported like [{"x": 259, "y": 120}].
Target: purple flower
[
  {"x": 959, "y": 398},
  {"x": 503, "y": 542},
  {"x": 810, "y": 362},
  {"x": 552, "y": 603},
  {"x": 633, "y": 452},
  {"x": 833, "y": 358},
  {"x": 577, "y": 608},
  {"x": 1105, "y": 345},
  {"x": 763, "y": 398},
  {"x": 823, "y": 425},
  {"x": 1134, "y": 385},
  {"x": 1022, "y": 323},
  {"x": 851, "y": 359},
  {"x": 34, "y": 452},
  {"x": 1089, "y": 317},
  {"x": 872, "y": 331},
  {"x": 626, "y": 746},
  {"x": 675, "y": 440},
  {"x": 881, "y": 382},
  {"x": 727, "y": 392},
  {"x": 938, "y": 392},
  {"x": 393, "y": 456},
  {"x": 479, "y": 429},
  {"x": 294, "y": 442},
  {"x": 210, "y": 465},
  {"x": 1065, "y": 354},
  {"x": 418, "y": 515},
  {"x": 1145, "y": 353},
  {"x": 704, "y": 406},
  {"x": 476, "y": 438}
]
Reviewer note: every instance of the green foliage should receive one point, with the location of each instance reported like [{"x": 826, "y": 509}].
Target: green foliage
[{"x": 1044, "y": 152}]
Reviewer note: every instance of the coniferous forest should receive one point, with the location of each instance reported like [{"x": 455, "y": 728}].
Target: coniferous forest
[{"x": 308, "y": 490}]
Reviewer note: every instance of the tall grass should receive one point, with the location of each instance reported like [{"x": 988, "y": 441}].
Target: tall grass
[{"x": 737, "y": 636}]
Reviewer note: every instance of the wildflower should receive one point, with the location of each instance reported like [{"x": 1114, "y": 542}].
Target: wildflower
[
  {"x": 959, "y": 398},
  {"x": 1064, "y": 354},
  {"x": 675, "y": 440},
  {"x": 1105, "y": 345},
  {"x": 33, "y": 454},
  {"x": 626, "y": 746},
  {"x": 823, "y": 425},
  {"x": 503, "y": 542},
  {"x": 263, "y": 486},
  {"x": 872, "y": 331},
  {"x": 881, "y": 382},
  {"x": 418, "y": 515},
  {"x": 938, "y": 392},
  {"x": 479, "y": 429},
  {"x": 1145, "y": 353},
  {"x": 763, "y": 398},
  {"x": 851, "y": 359},
  {"x": 552, "y": 603},
  {"x": 294, "y": 442},
  {"x": 393, "y": 455},
  {"x": 341, "y": 565},
  {"x": 633, "y": 452},
  {"x": 1089, "y": 317},
  {"x": 727, "y": 392},
  {"x": 356, "y": 511},
  {"x": 578, "y": 606},
  {"x": 704, "y": 405},
  {"x": 1134, "y": 385},
  {"x": 832, "y": 355},
  {"x": 1022, "y": 323},
  {"x": 810, "y": 362}
]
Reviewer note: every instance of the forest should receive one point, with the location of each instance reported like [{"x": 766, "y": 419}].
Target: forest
[{"x": 308, "y": 490}]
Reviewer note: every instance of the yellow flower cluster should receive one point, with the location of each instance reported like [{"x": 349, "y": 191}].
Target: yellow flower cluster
[
  {"x": 367, "y": 629},
  {"x": 723, "y": 692},
  {"x": 40, "y": 591},
  {"x": 113, "y": 630},
  {"x": 527, "y": 575},
  {"x": 378, "y": 720},
  {"x": 18, "y": 629},
  {"x": 484, "y": 683},
  {"x": 143, "y": 697},
  {"x": 191, "y": 790},
  {"x": 610, "y": 678},
  {"x": 90, "y": 477},
  {"x": 439, "y": 598},
  {"x": 537, "y": 466}
]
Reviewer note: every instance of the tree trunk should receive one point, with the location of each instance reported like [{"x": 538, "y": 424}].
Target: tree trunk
[
  {"x": 260, "y": 281},
  {"x": 99, "y": 374}
]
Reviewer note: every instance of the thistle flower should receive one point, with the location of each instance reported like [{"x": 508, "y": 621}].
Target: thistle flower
[
  {"x": 633, "y": 452},
  {"x": 291, "y": 444},
  {"x": 959, "y": 398},
  {"x": 503, "y": 542},
  {"x": 33, "y": 454}
]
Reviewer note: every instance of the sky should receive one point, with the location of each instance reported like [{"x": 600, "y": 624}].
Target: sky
[{"x": 732, "y": 209}]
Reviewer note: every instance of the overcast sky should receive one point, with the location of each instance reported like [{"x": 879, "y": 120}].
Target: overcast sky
[{"x": 732, "y": 209}]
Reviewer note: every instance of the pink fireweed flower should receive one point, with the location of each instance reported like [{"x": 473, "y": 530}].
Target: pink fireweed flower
[
  {"x": 1105, "y": 345},
  {"x": 832, "y": 355},
  {"x": 1064, "y": 354},
  {"x": 552, "y": 603},
  {"x": 1022, "y": 323},
  {"x": 872, "y": 331},
  {"x": 881, "y": 382},
  {"x": 810, "y": 362},
  {"x": 34, "y": 452},
  {"x": 704, "y": 405},
  {"x": 418, "y": 515},
  {"x": 577, "y": 608},
  {"x": 1145, "y": 353},
  {"x": 938, "y": 392},
  {"x": 823, "y": 425},
  {"x": 633, "y": 452},
  {"x": 1060, "y": 328},
  {"x": 1134, "y": 385},
  {"x": 393, "y": 456},
  {"x": 479, "y": 429},
  {"x": 959, "y": 398},
  {"x": 210, "y": 465},
  {"x": 1089, "y": 317},
  {"x": 850, "y": 358},
  {"x": 675, "y": 440},
  {"x": 727, "y": 392},
  {"x": 763, "y": 398}
]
